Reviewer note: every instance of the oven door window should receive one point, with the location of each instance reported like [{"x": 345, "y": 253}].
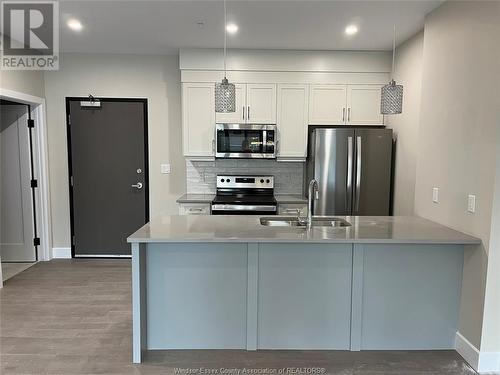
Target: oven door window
[{"x": 245, "y": 141}]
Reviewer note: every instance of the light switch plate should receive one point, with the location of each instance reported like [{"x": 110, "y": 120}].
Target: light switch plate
[
  {"x": 471, "y": 203},
  {"x": 165, "y": 168},
  {"x": 435, "y": 195}
]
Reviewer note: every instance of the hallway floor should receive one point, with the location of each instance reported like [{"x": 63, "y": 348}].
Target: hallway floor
[{"x": 74, "y": 317}]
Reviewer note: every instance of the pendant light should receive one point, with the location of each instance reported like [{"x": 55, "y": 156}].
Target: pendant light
[
  {"x": 225, "y": 92},
  {"x": 391, "y": 102}
]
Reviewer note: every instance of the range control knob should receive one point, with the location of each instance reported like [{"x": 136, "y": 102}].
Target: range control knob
[
  {"x": 261, "y": 180},
  {"x": 268, "y": 181},
  {"x": 221, "y": 180},
  {"x": 228, "y": 180}
]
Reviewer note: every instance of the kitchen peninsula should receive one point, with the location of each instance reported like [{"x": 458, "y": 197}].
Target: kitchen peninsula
[{"x": 229, "y": 282}]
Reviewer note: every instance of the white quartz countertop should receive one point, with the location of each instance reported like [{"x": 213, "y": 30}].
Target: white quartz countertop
[{"x": 363, "y": 229}]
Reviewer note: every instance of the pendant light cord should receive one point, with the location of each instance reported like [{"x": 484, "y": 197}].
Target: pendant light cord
[
  {"x": 225, "y": 37},
  {"x": 393, "y": 50}
]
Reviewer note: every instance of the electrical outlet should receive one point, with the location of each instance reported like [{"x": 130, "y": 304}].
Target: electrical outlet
[
  {"x": 165, "y": 168},
  {"x": 471, "y": 203},
  {"x": 435, "y": 195}
]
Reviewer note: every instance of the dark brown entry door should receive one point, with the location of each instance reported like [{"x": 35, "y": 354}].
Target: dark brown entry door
[{"x": 108, "y": 174}]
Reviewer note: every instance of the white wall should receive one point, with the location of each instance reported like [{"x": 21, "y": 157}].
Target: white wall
[
  {"x": 156, "y": 78},
  {"x": 408, "y": 72},
  {"x": 458, "y": 135},
  {"x": 24, "y": 81}
]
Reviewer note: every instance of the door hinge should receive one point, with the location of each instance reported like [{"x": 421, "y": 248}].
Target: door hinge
[
  {"x": 36, "y": 241},
  {"x": 69, "y": 120},
  {"x": 34, "y": 183},
  {"x": 31, "y": 123},
  {"x": 71, "y": 181},
  {"x": 73, "y": 240}
]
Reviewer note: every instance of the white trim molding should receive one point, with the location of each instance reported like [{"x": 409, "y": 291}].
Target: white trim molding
[
  {"x": 482, "y": 362},
  {"x": 61, "y": 253},
  {"x": 41, "y": 168}
]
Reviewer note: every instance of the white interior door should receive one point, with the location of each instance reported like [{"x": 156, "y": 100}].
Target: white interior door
[
  {"x": 261, "y": 103},
  {"x": 16, "y": 201},
  {"x": 239, "y": 116}
]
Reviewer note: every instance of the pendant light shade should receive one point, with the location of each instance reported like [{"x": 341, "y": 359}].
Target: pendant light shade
[
  {"x": 225, "y": 97},
  {"x": 225, "y": 92},
  {"x": 391, "y": 102},
  {"x": 391, "y": 98}
]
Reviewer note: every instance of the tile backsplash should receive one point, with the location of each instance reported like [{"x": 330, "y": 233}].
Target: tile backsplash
[{"x": 201, "y": 175}]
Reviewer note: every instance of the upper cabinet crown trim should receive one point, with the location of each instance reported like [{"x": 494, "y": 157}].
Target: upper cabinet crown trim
[{"x": 286, "y": 61}]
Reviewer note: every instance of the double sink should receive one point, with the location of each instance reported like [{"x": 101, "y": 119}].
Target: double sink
[{"x": 317, "y": 221}]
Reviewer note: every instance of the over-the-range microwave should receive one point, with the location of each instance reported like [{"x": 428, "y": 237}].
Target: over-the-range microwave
[{"x": 245, "y": 141}]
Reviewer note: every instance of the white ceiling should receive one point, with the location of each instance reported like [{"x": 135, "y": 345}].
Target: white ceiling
[{"x": 162, "y": 27}]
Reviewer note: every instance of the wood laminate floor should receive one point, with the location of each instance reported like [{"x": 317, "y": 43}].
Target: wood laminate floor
[
  {"x": 11, "y": 269},
  {"x": 74, "y": 317}
]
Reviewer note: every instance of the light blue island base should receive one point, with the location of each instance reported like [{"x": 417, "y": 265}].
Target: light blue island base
[{"x": 336, "y": 296}]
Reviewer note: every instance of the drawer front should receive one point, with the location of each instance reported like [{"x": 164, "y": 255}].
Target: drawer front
[
  {"x": 194, "y": 209},
  {"x": 289, "y": 209}
]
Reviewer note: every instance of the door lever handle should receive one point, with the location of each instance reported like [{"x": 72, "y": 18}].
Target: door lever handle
[{"x": 138, "y": 186}]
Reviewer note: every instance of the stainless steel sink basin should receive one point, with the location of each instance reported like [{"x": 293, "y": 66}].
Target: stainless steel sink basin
[{"x": 290, "y": 221}]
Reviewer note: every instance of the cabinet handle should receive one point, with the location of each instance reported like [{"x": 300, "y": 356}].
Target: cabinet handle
[
  {"x": 243, "y": 112},
  {"x": 213, "y": 146},
  {"x": 349, "y": 114},
  {"x": 248, "y": 113},
  {"x": 195, "y": 210},
  {"x": 277, "y": 147},
  {"x": 343, "y": 114}
]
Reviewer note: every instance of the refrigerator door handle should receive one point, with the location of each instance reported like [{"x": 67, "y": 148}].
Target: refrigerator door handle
[
  {"x": 349, "y": 174},
  {"x": 358, "y": 171}
]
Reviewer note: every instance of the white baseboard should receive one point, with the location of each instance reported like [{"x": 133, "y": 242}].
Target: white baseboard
[
  {"x": 489, "y": 363},
  {"x": 482, "y": 362},
  {"x": 467, "y": 350},
  {"x": 61, "y": 253}
]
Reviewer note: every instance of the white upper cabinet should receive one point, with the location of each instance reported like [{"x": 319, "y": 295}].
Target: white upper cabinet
[
  {"x": 198, "y": 119},
  {"x": 261, "y": 103},
  {"x": 345, "y": 105},
  {"x": 255, "y": 104},
  {"x": 363, "y": 105},
  {"x": 292, "y": 122},
  {"x": 239, "y": 116},
  {"x": 327, "y": 104}
]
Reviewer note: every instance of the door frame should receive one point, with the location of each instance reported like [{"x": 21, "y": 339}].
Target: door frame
[
  {"x": 43, "y": 219},
  {"x": 144, "y": 102}
]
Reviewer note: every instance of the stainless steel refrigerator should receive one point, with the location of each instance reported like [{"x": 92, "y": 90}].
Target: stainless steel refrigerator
[{"x": 353, "y": 167}]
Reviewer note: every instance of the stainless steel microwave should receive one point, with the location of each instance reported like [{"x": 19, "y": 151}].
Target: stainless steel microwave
[{"x": 245, "y": 141}]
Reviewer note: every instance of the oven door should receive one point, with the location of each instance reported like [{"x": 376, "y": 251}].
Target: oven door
[
  {"x": 243, "y": 209},
  {"x": 246, "y": 141}
]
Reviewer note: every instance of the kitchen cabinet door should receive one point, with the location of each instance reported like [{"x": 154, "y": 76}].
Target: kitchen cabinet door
[
  {"x": 261, "y": 103},
  {"x": 327, "y": 105},
  {"x": 239, "y": 116},
  {"x": 198, "y": 120},
  {"x": 293, "y": 101},
  {"x": 363, "y": 105}
]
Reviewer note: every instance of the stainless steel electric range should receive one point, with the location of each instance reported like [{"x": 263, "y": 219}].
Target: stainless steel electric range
[{"x": 244, "y": 195}]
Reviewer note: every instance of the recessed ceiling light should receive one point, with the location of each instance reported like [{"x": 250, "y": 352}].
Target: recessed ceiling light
[
  {"x": 351, "y": 29},
  {"x": 74, "y": 24},
  {"x": 232, "y": 28}
]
